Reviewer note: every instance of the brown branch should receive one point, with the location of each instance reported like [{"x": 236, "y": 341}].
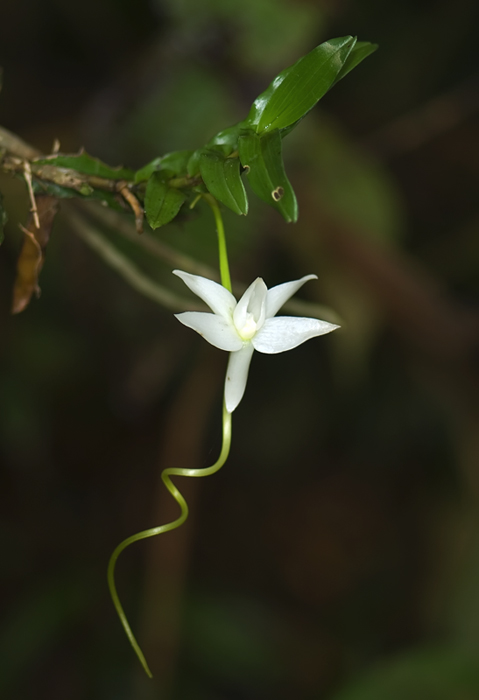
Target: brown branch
[
  {"x": 64, "y": 177},
  {"x": 13, "y": 145},
  {"x": 27, "y": 174},
  {"x": 137, "y": 209},
  {"x": 14, "y": 153}
]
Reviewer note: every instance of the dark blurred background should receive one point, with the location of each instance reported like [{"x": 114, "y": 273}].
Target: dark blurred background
[{"x": 336, "y": 555}]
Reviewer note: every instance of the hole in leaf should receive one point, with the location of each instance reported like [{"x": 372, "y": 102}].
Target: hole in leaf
[{"x": 277, "y": 194}]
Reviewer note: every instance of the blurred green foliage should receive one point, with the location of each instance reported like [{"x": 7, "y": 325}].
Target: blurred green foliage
[{"x": 433, "y": 675}]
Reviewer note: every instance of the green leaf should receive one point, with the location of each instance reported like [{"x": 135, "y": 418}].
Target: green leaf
[
  {"x": 194, "y": 162},
  {"x": 261, "y": 156},
  {"x": 84, "y": 163},
  {"x": 224, "y": 142},
  {"x": 360, "y": 51},
  {"x": 3, "y": 219},
  {"x": 162, "y": 203},
  {"x": 223, "y": 179},
  {"x": 60, "y": 192},
  {"x": 175, "y": 163},
  {"x": 172, "y": 165},
  {"x": 144, "y": 173},
  {"x": 227, "y": 139},
  {"x": 295, "y": 91}
]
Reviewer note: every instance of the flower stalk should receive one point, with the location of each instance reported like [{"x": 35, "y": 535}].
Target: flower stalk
[
  {"x": 152, "y": 532},
  {"x": 223, "y": 253}
]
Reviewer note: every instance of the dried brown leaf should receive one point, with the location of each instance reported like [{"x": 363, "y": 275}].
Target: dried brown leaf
[{"x": 32, "y": 255}]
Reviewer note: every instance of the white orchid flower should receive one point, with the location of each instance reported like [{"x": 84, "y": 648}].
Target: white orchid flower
[{"x": 247, "y": 325}]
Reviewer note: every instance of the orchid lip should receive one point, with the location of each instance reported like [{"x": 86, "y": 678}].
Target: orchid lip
[{"x": 249, "y": 328}]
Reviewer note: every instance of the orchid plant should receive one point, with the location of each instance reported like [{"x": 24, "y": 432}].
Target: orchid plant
[{"x": 214, "y": 173}]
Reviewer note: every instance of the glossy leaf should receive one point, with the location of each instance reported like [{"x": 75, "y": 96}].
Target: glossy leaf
[
  {"x": 84, "y": 163},
  {"x": 224, "y": 142},
  {"x": 262, "y": 158},
  {"x": 227, "y": 139},
  {"x": 194, "y": 162},
  {"x": 3, "y": 218},
  {"x": 162, "y": 203},
  {"x": 295, "y": 91},
  {"x": 360, "y": 51},
  {"x": 144, "y": 173},
  {"x": 223, "y": 179},
  {"x": 172, "y": 165}
]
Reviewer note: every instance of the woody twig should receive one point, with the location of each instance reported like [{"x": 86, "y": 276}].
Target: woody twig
[{"x": 27, "y": 173}]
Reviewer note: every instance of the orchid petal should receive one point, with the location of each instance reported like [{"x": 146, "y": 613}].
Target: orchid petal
[
  {"x": 237, "y": 375},
  {"x": 218, "y": 298},
  {"x": 279, "y": 295},
  {"x": 215, "y": 329},
  {"x": 252, "y": 302},
  {"x": 286, "y": 332}
]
